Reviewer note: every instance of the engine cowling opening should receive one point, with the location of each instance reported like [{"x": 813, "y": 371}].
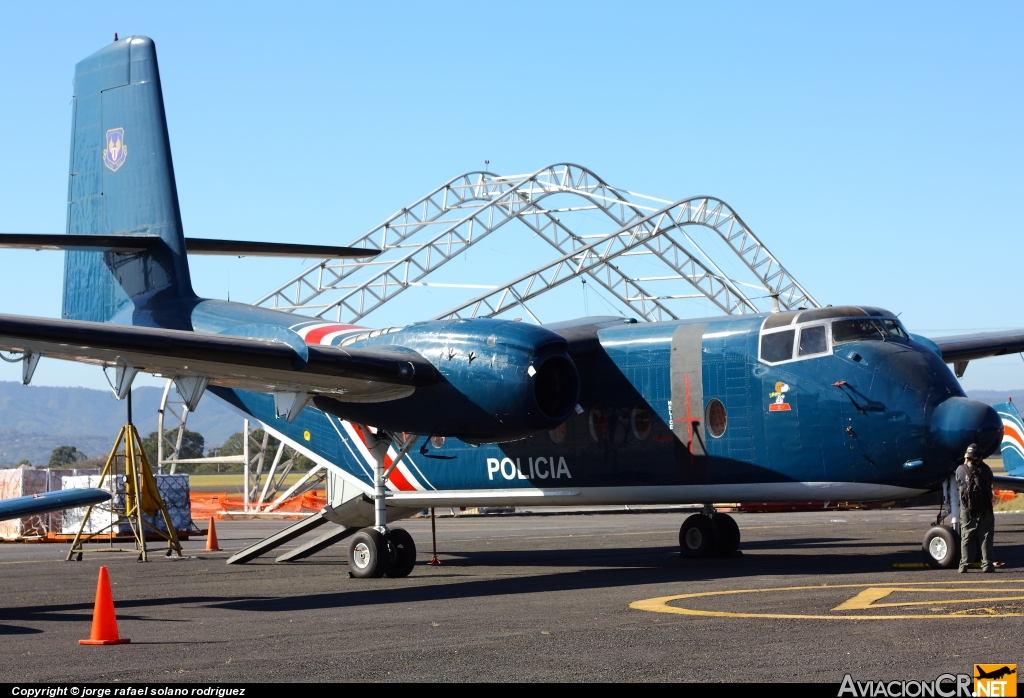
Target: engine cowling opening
[{"x": 556, "y": 387}]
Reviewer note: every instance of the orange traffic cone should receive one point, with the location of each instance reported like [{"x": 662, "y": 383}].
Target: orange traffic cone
[
  {"x": 211, "y": 537},
  {"x": 104, "y": 622}
]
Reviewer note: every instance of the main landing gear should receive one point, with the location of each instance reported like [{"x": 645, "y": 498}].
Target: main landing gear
[
  {"x": 378, "y": 550},
  {"x": 375, "y": 554},
  {"x": 941, "y": 545},
  {"x": 709, "y": 534}
]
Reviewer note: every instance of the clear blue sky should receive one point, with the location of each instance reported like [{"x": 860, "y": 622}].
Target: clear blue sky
[{"x": 876, "y": 148}]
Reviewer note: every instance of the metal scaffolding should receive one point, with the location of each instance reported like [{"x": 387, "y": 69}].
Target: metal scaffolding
[{"x": 421, "y": 238}]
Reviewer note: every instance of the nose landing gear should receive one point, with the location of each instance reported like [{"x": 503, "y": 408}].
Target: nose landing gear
[
  {"x": 709, "y": 534},
  {"x": 941, "y": 543}
]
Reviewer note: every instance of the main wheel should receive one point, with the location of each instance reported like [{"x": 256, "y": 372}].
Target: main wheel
[
  {"x": 368, "y": 554},
  {"x": 728, "y": 534},
  {"x": 941, "y": 547},
  {"x": 698, "y": 537},
  {"x": 402, "y": 551}
]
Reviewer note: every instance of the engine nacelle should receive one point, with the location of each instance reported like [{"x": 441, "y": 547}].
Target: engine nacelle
[{"x": 499, "y": 381}]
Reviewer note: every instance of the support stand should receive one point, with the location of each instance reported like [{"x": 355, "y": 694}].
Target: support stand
[
  {"x": 433, "y": 538},
  {"x": 141, "y": 496}
]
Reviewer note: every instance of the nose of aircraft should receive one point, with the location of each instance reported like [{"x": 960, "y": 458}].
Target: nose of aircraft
[{"x": 959, "y": 421}]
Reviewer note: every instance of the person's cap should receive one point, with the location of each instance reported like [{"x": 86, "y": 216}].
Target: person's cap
[{"x": 972, "y": 451}]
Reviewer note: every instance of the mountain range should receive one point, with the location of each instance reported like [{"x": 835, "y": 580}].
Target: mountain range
[{"x": 34, "y": 420}]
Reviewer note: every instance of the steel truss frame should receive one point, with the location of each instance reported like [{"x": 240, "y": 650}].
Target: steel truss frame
[
  {"x": 652, "y": 233},
  {"x": 471, "y": 206}
]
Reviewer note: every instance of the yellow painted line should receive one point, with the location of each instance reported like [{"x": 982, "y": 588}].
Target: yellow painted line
[
  {"x": 661, "y": 604},
  {"x": 869, "y": 597}
]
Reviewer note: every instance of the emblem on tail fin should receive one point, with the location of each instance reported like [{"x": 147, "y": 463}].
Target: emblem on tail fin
[{"x": 116, "y": 151}]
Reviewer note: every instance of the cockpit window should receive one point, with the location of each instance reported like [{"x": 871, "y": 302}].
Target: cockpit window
[
  {"x": 857, "y": 330},
  {"x": 894, "y": 329},
  {"x": 812, "y": 340},
  {"x": 777, "y": 346}
]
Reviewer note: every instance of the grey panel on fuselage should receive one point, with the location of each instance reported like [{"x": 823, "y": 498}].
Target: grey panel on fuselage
[{"x": 688, "y": 401}]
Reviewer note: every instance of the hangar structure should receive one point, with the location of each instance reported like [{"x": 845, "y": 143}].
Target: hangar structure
[{"x": 648, "y": 258}]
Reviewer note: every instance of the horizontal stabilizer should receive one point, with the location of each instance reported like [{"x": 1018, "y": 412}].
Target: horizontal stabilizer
[
  {"x": 244, "y": 248},
  {"x": 129, "y": 244}
]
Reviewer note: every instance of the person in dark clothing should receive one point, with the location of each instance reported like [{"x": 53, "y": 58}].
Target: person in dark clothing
[{"x": 977, "y": 522}]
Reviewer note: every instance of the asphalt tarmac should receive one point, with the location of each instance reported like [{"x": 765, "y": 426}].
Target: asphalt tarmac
[{"x": 526, "y": 598}]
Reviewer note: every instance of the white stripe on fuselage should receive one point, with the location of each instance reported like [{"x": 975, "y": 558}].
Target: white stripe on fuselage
[{"x": 674, "y": 494}]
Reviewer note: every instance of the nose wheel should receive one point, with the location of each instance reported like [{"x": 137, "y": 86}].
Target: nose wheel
[
  {"x": 941, "y": 547},
  {"x": 703, "y": 535}
]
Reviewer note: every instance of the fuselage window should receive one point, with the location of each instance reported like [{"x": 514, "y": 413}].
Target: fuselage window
[
  {"x": 894, "y": 329},
  {"x": 813, "y": 340},
  {"x": 640, "y": 421},
  {"x": 598, "y": 424},
  {"x": 558, "y": 433},
  {"x": 857, "y": 330},
  {"x": 715, "y": 418},
  {"x": 437, "y": 441},
  {"x": 777, "y": 346}
]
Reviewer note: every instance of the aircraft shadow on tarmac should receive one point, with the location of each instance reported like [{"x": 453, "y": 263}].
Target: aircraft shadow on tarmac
[
  {"x": 604, "y": 568},
  {"x": 600, "y": 568},
  {"x": 17, "y": 630},
  {"x": 62, "y": 613}
]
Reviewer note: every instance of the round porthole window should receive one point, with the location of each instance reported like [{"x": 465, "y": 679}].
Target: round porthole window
[
  {"x": 437, "y": 441},
  {"x": 558, "y": 433},
  {"x": 715, "y": 418},
  {"x": 640, "y": 421},
  {"x": 598, "y": 424}
]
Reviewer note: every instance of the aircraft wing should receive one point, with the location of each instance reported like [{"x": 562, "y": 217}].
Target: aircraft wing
[
  {"x": 41, "y": 503},
  {"x": 979, "y": 346},
  {"x": 581, "y": 334},
  {"x": 1008, "y": 482},
  {"x": 265, "y": 365}
]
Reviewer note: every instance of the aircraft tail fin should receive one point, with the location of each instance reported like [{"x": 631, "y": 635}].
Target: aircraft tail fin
[
  {"x": 1013, "y": 438},
  {"x": 121, "y": 182}
]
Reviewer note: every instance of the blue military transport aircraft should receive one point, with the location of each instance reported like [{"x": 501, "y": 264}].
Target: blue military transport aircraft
[{"x": 832, "y": 404}]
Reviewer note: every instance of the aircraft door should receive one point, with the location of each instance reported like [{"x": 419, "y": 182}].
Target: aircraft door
[{"x": 686, "y": 410}]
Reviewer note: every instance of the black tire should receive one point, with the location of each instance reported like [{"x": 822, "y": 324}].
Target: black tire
[
  {"x": 402, "y": 550},
  {"x": 698, "y": 537},
  {"x": 368, "y": 554},
  {"x": 941, "y": 547},
  {"x": 728, "y": 534}
]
